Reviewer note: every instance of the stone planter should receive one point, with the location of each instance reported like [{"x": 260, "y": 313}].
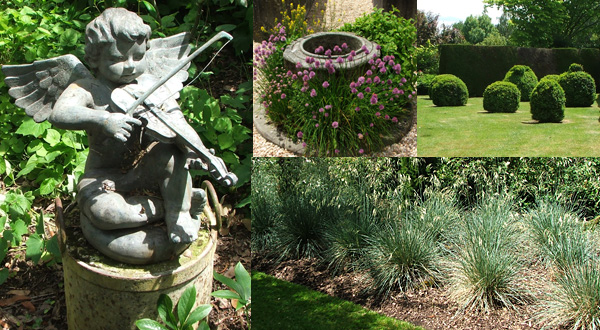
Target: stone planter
[
  {"x": 102, "y": 294},
  {"x": 305, "y": 47}
]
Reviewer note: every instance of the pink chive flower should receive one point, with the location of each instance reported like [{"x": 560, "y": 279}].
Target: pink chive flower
[
  {"x": 381, "y": 107},
  {"x": 325, "y": 84},
  {"x": 387, "y": 117},
  {"x": 376, "y": 80},
  {"x": 319, "y": 50},
  {"x": 326, "y": 114},
  {"x": 378, "y": 114},
  {"x": 300, "y": 134},
  {"x": 283, "y": 96},
  {"x": 361, "y": 151},
  {"x": 369, "y": 72},
  {"x": 374, "y": 99},
  {"x": 317, "y": 125},
  {"x": 312, "y": 74},
  {"x": 321, "y": 110},
  {"x": 328, "y": 53},
  {"x": 360, "y": 95},
  {"x": 368, "y": 89},
  {"x": 403, "y": 80},
  {"x": 371, "y": 125},
  {"x": 394, "y": 120},
  {"x": 350, "y": 58},
  {"x": 378, "y": 47},
  {"x": 353, "y": 53},
  {"x": 304, "y": 144},
  {"x": 410, "y": 96},
  {"x": 337, "y": 151},
  {"x": 357, "y": 109},
  {"x": 360, "y": 136},
  {"x": 328, "y": 106},
  {"x": 335, "y": 124},
  {"x": 337, "y": 49},
  {"x": 298, "y": 65},
  {"x": 344, "y": 46},
  {"x": 313, "y": 93},
  {"x": 340, "y": 60}
]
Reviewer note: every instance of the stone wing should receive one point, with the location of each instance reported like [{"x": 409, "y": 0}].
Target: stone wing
[
  {"x": 164, "y": 54},
  {"x": 37, "y": 86}
]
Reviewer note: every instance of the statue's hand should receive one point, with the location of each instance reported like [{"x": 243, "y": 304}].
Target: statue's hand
[{"x": 119, "y": 125}]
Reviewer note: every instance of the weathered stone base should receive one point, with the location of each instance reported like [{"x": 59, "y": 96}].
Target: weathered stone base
[{"x": 102, "y": 294}]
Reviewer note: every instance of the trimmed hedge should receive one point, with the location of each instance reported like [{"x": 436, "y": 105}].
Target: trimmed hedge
[
  {"x": 524, "y": 78},
  {"x": 548, "y": 102},
  {"x": 424, "y": 83},
  {"x": 448, "y": 90},
  {"x": 479, "y": 66},
  {"x": 575, "y": 67},
  {"x": 579, "y": 87},
  {"x": 501, "y": 96},
  {"x": 554, "y": 77}
]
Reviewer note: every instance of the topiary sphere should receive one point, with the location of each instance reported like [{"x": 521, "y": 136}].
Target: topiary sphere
[
  {"x": 501, "y": 96},
  {"x": 548, "y": 102},
  {"x": 579, "y": 87},
  {"x": 551, "y": 76},
  {"x": 448, "y": 90},
  {"x": 575, "y": 67},
  {"x": 524, "y": 78}
]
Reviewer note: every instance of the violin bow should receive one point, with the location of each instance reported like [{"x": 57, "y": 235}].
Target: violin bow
[{"x": 173, "y": 72}]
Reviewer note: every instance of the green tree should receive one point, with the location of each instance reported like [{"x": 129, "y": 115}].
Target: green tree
[
  {"x": 553, "y": 23},
  {"x": 476, "y": 28}
]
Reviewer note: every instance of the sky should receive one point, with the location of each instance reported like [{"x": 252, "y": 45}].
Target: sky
[{"x": 453, "y": 11}]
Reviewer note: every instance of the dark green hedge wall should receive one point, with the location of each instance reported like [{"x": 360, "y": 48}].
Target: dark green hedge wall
[{"x": 479, "y": 66}]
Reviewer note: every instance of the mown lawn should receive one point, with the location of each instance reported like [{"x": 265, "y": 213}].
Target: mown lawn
[
  {"x": 471, "y": 131},
  {"x": 279, "y": 305}
]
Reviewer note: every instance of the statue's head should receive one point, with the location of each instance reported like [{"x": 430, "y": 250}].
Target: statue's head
[{"x": 115, "y": 46}]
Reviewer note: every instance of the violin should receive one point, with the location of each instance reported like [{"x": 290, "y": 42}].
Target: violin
[{"x": 166, "y": 125}]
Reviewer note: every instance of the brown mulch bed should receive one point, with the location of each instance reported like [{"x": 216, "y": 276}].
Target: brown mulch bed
[{"x": 428, "y": 307}]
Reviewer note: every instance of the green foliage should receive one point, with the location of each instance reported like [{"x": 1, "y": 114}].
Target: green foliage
[
  {"x": 476, "y": 29},
  {"x": 485, "y": 268},
  {"x": 185, "y": 319},
  {"x": 553, "y": 24},
  {"x": 579, "y": 88},
  {"x": 221, "y": 125},
  {"x": 424, "y": 83},
  {"x": 448, "y": 90},
  {"x": 494, "y": 39},
  {"x": 574, "y": 67},
  {"x": 524, "y": 78},
  {"x": 501, "y": 96},
  {"x": 393, "y": 33},
  {"x": 548, "y": 102},
  {"x": 428, "y": 58},
  {"x": 554, "y": 77},
  {"x": 240, "y": 288}
]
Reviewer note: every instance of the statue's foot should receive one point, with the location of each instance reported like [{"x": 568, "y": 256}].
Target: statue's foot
[{"x": 182, "y": 228}]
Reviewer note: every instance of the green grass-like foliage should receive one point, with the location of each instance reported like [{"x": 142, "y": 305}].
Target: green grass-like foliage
[
  {"x": 284, "y": 305},
  {"x": 524, "y": 78},
  {"x": 448, "y": 90},
  {"x": 484, "y": 270},
  {"x": 579, "y": 87},
  {"x": 558, "y": 234},
  {"x": 501, "y": 96},
  {"x": 402, "y": 255},
  {"x": 574, "y": 300},
  {"x": 548, "y": 102}
]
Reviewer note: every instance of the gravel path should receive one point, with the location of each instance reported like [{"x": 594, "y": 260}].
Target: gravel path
[{"x": 339, "y": 12}]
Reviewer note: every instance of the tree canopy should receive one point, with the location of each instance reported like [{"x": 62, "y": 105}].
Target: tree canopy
[{"x": 553, "y": 23}]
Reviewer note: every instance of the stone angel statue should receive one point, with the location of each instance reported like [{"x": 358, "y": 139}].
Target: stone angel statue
[{"x": 141, "y": 146}]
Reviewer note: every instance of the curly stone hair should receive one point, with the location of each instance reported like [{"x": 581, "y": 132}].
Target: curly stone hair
[{"x": 113, "y": 24}]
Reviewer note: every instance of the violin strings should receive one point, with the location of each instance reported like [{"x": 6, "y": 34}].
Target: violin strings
[{"x": 198, "y": 75}]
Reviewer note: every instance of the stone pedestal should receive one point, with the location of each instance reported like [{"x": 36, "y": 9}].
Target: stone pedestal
[{"x": 102, "y": 294}]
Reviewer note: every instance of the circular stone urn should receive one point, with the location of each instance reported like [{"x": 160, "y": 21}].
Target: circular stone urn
[
  {"x": 103, "y": 294},
  {"x": 301, "y": 49}
]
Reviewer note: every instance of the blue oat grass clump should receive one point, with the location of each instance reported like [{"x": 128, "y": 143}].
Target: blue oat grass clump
[{"x": 332, "y": 114}]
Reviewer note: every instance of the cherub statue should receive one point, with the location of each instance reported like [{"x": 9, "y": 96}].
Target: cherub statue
[{"x": 139, "y": 139}]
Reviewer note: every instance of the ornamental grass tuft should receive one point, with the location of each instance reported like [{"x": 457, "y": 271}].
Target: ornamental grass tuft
[{"x": 484, "y": 269}]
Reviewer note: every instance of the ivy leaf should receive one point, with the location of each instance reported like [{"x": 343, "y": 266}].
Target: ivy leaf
[
  {"x": 52, "y": 137},
  {"x": 48, "y": 186},
  {"x": 35, "y": 246},
  {"x": 69, "y": 37},
  {"x": 19, "y": 228},
  {"x": 30, "y": 127}
]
